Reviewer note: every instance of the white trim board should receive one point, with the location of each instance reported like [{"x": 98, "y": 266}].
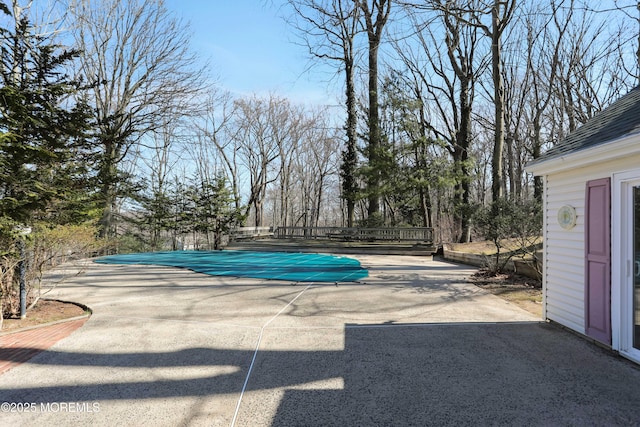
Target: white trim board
[{"x": 611, "y": 150}]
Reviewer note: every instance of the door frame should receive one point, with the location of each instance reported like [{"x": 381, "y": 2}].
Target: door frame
[{"x": 622, "y": 263}]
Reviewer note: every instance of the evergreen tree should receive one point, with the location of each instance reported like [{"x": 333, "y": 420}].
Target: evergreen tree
[
  {"x": 201, "y": 208},
  {"x": 43, "y": 157},
  {"x": 214, "y": 210},
  {"x": 42, "y": 135}
]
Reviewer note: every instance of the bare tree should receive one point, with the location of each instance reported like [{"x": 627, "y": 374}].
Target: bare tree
[
  {"x": 215, "y": 130},
  {"x": 375, "y": 17},
  {"x": 314, "y": 163},
  {"x": 136, "y": 60},
  {"x": 257, "y": 146},
  {"x": 588, "y": 68},
  {"x": 328, "y": 29},
  {"x": 501, "y": 14},
  {"x": 543, "y": 61},
  {"x": 159, "y": 160},
  {"x": 289, "y": 126},
  {"x": 625, "y": 16},
  {"x": 461, "y": 43},
  {"x": 444, "y": 70}
]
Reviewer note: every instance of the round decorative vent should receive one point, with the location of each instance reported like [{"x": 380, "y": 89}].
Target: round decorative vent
[{"x": 567, "y": 217}]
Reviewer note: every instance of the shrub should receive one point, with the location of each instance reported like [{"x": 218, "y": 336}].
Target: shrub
[
  {"x": 44, "y": 249},
  {"x": 508, "y": 219}
]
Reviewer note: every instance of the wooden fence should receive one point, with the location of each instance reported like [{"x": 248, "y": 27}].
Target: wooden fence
[
  {"x": 239, "y": 233},
  {"x": 407, "y": 234}
]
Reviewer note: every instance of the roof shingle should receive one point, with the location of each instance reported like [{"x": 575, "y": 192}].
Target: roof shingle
[{"x": 621, "y": 118}]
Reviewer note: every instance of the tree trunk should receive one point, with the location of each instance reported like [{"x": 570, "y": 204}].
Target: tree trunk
[
  {"x": 463, "y": 141},
  {"x": 373, "y": 183},
  {"x": 109, "y": 176},
  {"x": 498, "y": 93},
  {"x": 381, "y": 9},
  {"x": 511, "y": 168},
  {"x": 425, "y": 204},
  {"x": 349, "y": 161}
]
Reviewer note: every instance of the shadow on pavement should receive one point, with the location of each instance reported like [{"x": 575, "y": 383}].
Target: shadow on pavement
[
  {"x": 469, "y": 374},
  {"x": 393, "y": 374}
]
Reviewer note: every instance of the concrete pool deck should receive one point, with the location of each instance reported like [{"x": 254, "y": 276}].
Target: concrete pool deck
[{"x": 412, "y": 344}]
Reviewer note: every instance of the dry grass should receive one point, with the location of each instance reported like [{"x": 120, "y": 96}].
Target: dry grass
[{"x": 487, "y": 247}]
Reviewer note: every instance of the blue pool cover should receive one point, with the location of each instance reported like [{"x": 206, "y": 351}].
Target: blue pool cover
[{"x": 297, "y": 267}]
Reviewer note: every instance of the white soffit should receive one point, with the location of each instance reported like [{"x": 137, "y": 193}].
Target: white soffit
[{"x": 617, "y": 148}]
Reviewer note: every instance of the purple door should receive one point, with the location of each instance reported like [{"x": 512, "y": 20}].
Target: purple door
[{"x": 598, "y": 260}]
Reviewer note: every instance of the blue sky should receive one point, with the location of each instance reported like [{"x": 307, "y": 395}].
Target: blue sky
[{"x": 251, "y": 49}]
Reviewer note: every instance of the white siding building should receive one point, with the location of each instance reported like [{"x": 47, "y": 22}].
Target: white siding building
[{"x": 591, "y": 202}]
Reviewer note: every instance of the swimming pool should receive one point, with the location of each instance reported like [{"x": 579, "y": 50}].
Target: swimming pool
[{"x": 298, "y": 267}]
